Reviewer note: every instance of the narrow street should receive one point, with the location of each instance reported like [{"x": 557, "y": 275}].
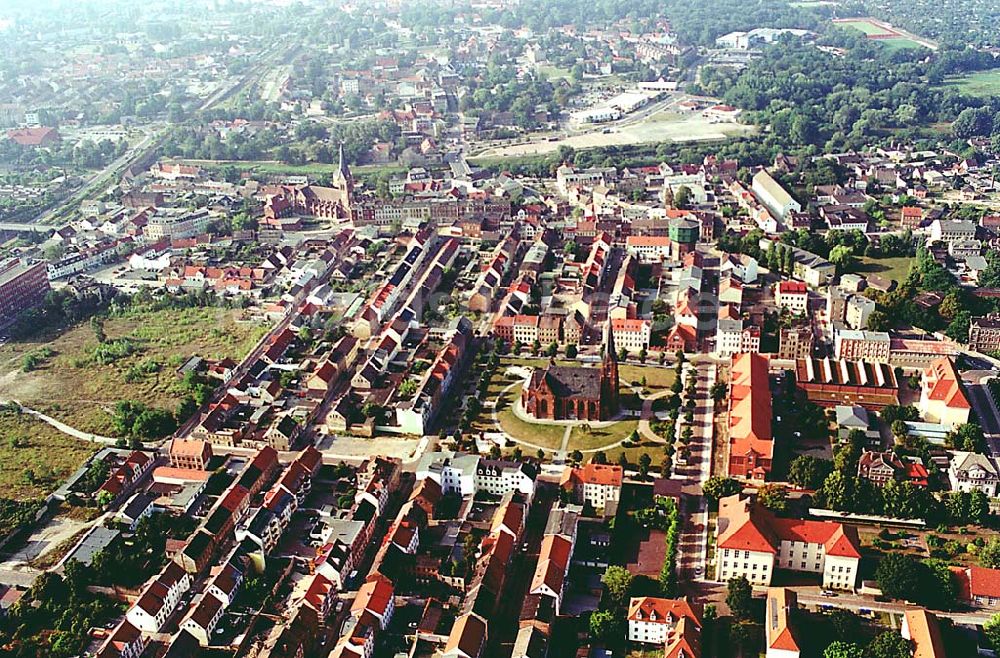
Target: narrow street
[{"x": 693, "y": 545}]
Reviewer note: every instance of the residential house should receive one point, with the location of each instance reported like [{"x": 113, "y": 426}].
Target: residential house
[
  {"x": 597, "y": 485},
  {"x": 970, "y": 471},
  {"x": 651, "y": 619}
]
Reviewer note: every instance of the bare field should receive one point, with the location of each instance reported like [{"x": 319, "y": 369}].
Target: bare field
[
  {"x": 659, "y": 127},
  {"x": 69, "y": 386}
]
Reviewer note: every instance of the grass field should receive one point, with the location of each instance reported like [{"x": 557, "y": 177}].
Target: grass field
[
  {"x": 553, "y": 72},
  {"x": 890, "y": 39},
  {"x": 981, "y": 83},
  {"x": 598, "y": 437},
  {"x": 865, "y": 26},
  {"x": 894, "y": 269},
  {"x": 34, "y": 457},
  {"x": 69, "y": 386}
]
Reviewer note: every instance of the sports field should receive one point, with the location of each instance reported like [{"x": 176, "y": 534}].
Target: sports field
[{"x": 889, "y": 36}]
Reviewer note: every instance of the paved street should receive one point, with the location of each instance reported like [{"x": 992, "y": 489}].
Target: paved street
[{"x": 693, "y": 541}]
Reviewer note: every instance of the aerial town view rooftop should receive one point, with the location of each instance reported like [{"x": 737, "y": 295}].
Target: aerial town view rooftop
[{"x": 499, "y": 329}]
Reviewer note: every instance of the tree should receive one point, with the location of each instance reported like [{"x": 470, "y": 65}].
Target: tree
[
  {"x": 104, "y": 497},
  {"x": 540, "y": 454},
  {"x": 739, "y": 597},
  {"x": 746, "y": 636},
  {"x": 600, "y": 457},
  {"x": 682, "y": 198},
  {"x": 717, "y": 487},
  {"x": 845, "y": 624},
  {"x": 888, "y": 644},
  {"x": 618, "y": 581},
  {"x": 841, "y": 649},
  {"x": 718, "y": 391},
  {"x": 989, "y": 555},
  {"x": 576, "y": 456},
  {"x": 899, "y": 576},
  {"x": 838, "y": 491},
  {"x": 774, "y": 497},
  {"x": 968, "y": 437},
  {"x": 605, "y": 626},
  {"x": 992, "y": 631},
  {"x": 843, "y": 257},
  {"x": 571, "y": 351},
  {"x": 808, "y": 472},
  {"x": 645, "y": 461}
]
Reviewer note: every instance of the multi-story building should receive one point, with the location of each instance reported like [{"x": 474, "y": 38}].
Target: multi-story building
[
  {"x": 23, "y": 284},
  {"x": 792, "y": 295},
  {"x": 468, "y": 475},
  {"x": 879, "y": 468},
  {"x": 498, "y": 477},
  {"x": 190, "y": 454},
  {"x": 970, "y": 471},
  {"x": 753, "y": 543},
  {"x": 651, "y": 619},
  {"x": 942, "y": 397},
  {"x": 948, "y": 230},
  {"x": 729, "y": 337},
  {"x": 854, "y": 345},
  {"x": 859, "y": 309},
  {"x": 525, "y": 329},
  {"x": 984, "y": 333},
  {"x": 597, "y": 485},
  {"x": 159, "y": 599},
  {"x": 796, "y": 342},
  {"x": 751, "y": 443},
  {"x": 631, "y": 335}
]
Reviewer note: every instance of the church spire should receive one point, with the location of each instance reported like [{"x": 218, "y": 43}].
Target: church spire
[{"x": 343, "y": 175}]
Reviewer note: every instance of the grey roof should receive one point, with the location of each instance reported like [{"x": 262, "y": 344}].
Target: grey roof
[
  {"x": 95, "y": 541},
  {"x": 852, "y": 416},
  {"x": 964, "y": 461},
  {"x": 570, "y": 382}
]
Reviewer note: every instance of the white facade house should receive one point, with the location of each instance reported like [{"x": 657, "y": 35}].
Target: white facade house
[
  {"x": 468, "y": 475},
  {"x": 498, "y": 477},
  {"x": 859, "y": 309},
  {"x": 159, "y": 599},
  {"x": 728, "y": 337},
  {"x": 970, "y": 471},
  {"x": 204, "y": 618},
  {"x": 631, "y": 335},
  {"x": 651, "y": 619}
]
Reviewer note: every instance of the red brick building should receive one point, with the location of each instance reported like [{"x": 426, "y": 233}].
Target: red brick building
[
  {"x": 22, "y": 285},
  {"x": 568, "y": 392}
]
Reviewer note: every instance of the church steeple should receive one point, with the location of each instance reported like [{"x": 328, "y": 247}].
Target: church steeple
[
  {"x": 342, "y": 177},
  {"x": 609, "y": 370}
]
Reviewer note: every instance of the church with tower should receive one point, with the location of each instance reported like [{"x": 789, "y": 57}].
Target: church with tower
[
  {"x": 574, "y": 392},
  {"x": 333, "y": 202}
]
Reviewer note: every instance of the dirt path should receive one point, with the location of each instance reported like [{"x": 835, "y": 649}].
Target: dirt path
[{"x": 63, "y": 427}]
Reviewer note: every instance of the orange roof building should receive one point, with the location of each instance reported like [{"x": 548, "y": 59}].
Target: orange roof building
[
  {"x": 651, "y": 619},
  {"x": 752, "y": 542},
  {"x": 942, "y": 398},
  {"x": 597, "y": 485},
  {"x": 778, "y": 632},
  {"x": 751, "y": 443},
  {"x": 921, "y": 628}
]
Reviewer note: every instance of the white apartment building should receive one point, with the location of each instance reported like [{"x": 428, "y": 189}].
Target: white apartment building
[
  {"x": 752, "y": 542},
  {"x": 632, "y": 335}
]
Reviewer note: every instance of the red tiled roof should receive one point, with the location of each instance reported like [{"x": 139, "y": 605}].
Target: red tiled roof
[
  {"x": 652, "y": 609},
  {"x": 941, "y": 382}
]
